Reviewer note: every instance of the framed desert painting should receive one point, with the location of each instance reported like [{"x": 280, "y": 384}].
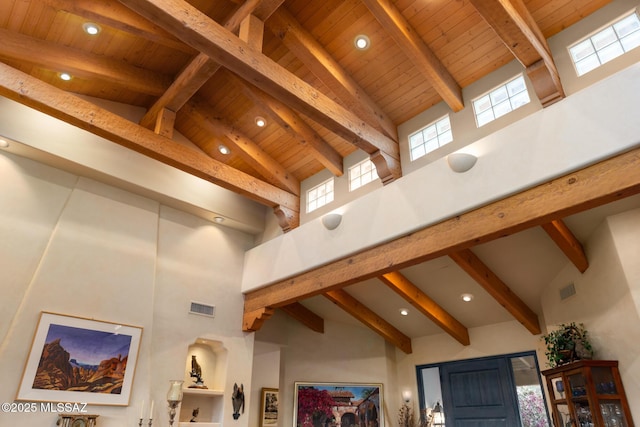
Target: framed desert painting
[
  {"x": 269, "y": 407},
  {"x": 338, "y": 404},
  {"x": 78, "y": 360}
]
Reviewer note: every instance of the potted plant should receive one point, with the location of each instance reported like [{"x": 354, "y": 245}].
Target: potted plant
[{"x": 568, "y": 343}]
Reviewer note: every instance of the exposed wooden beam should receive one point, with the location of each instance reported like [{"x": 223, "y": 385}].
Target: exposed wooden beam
[
  {"x": 164, "y": 123},
  {"x": 254, "y": 320},
  {"x": 491, "y": 283},
  {"x": 355, "y": 308},
  {"x": 514, "y": 24},
  {"x": 598, "y": 184},
  {"x": 568, "y": 243},
  {"x": 187, "y": 23},
  {"x": 305, "y": 316},
  {"x": 57, "y": 103},
  {"x": 252, "y": 32},
  {"x": 291, "y": 121},
  {"x": 52, "y": 56},
  {"x": 244, "y": 147},
  {"x": 110, "y": 13},
  {"x": 329, "y": 71},
  {"x": 421, "y": 301},
  {"x": 418, "y": 52},
  {"x": 196, "y": 73}
]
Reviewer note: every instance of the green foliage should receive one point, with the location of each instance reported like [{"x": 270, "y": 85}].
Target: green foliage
[{"x": 568, "y": 343}]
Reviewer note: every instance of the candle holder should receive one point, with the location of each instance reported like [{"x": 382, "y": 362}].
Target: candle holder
[
  {"x": 174, "y": 397},
  {"x": 140, "y": 423}
]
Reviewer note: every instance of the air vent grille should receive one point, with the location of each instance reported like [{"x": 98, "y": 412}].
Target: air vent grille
[
  {"x": 567, "y": 291},
  {"x": 202, "y": 309}
]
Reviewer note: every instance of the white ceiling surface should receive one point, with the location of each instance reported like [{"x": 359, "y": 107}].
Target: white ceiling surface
[{"x": 526, "y": 262}]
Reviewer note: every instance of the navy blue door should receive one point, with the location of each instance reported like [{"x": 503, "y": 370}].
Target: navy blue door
[{"x": 479, "y": 393}]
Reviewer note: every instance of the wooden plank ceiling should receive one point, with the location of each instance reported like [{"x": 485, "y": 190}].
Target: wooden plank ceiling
[{"x": 207, "y": 69}]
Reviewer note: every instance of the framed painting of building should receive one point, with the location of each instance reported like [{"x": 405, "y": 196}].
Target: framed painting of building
[
  {"x": 269, "y": 407},
  {"x": 338, "y": 404},
  {"x": 78, "y": 360}
]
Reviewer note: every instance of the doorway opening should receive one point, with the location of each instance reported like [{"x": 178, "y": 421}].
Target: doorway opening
[{"x": 491, "y": 391}]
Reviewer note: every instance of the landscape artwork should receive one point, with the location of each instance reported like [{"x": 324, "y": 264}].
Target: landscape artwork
[
  {"x": 338, "y": 404},
  {"x": 80, "y": 360}
]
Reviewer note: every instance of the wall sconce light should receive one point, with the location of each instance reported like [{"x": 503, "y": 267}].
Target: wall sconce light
[
  {"x": 461, "y": 162},
  {"x": 331, "y": 221},
  {"x": 4, "y": 143},
  {"x": 406, "y": 396},
  {"x": 174, "y": 397}
]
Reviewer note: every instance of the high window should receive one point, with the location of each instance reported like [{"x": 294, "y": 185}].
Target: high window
[
  {"x": 320, "y": 195},
  {"x": 361, "y": 174},
  {"x": 500, "y": 101},
  {"x": 606, "y": 44},
  {"x": 429, "y": 138}
]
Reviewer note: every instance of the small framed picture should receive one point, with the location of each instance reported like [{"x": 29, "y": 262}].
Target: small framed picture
[
  {"x": 78, "y": 360},
  {"x": 269, "y": 407}
]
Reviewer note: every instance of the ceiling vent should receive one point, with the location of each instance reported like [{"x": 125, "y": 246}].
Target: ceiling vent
[
  {"x": 202, "y": 309},
  {"x": 567, "y": 291}
]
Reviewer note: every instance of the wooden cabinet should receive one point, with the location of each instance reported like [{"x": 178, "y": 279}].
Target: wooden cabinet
[{"x": 588, "y": 393}]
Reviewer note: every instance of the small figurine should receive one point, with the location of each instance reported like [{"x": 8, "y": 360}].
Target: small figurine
[
  {"x": 237, "y": 399},
  {"x": 194, "y": 415},
  {"x": 196, "y": 372}
]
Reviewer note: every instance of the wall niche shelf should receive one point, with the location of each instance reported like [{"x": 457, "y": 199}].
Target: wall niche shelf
[{"x": 211, "y": 355}]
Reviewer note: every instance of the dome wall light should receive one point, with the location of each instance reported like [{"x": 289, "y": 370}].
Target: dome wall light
[
  {"x": 91, "y": 28},
  {"x": 261, "y": 121},
  {"x": 331, "y": 221},
  {"x": 362, "y": 42},
  {"x": 461, "y": 162},
  {"x": 466, "y": 297},
  {"x": 223, "y": 149},
  {"x": 4, "y": 143},
  {"x": 406, "y": 395},
  {"x": 219, "y": 219}
]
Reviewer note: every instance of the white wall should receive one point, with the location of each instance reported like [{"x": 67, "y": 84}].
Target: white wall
[
  {"x": 591, "y": 125},
  {"x": 73, "y": 246},
  {"x": 606, "y": 298}
]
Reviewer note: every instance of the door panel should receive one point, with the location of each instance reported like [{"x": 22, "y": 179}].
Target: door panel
[{"x": 479, "y": 393}]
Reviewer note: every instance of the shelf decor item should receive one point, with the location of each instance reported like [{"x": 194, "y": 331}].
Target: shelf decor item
[
  {"x": 79, "y": 360},
  {"x": 174, "y": 397},
  {"x": 568, "y": 343}
]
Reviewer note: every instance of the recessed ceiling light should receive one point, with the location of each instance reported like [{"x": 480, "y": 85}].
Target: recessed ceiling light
[
  {"x": 4, "y": 143},
  {"x": 65, "y": 76},
  {"x": 404, "y": 311},
  {"x": 466, "y": 297},
  {"x": 91, "y": 28},
  {"x": 223, "y": 149},
  {"x": 362, "y": 42},
  {"x": 261, "y": 121}
]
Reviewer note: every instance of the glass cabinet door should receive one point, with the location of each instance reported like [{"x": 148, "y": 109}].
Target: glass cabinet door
[{"x": 612, "y": 413}]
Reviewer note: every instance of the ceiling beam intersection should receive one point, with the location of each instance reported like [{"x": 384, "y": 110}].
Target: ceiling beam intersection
[
  {"x": 83, "y": 114},
  {"x": 513, "y": 23},
  {"x": 306, "y": 48},
  {"x": 186, "y": 23}
]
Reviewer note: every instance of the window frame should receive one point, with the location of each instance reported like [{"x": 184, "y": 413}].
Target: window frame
[
  {"x": 494, "y": 93},
  {"x": 425, "y": 142},
  {"x": 372, "y": 173},
  {"x": 323, "y": 196}
]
